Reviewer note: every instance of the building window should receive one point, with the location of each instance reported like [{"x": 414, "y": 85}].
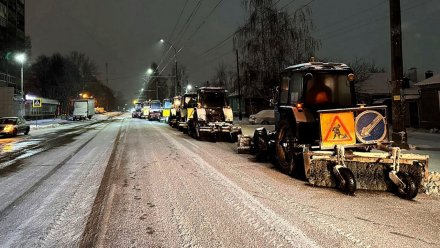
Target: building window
[{"x": 3, "y": 15}]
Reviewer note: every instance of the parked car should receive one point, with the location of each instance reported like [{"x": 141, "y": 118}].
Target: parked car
[
  {"x": 264, "y": 117},
  {"x": 11, "y": 126}
]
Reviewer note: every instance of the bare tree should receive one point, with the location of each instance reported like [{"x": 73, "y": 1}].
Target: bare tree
[
  {"x": 272, "y": 39},
  {"x": 363, "y": 69},
  {"x": 86, "y": 70},
  {"x": 220, "y": 76}
]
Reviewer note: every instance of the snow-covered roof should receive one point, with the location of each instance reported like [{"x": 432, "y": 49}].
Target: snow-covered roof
[
  {"x": 432, "y": 80},
  {"x": 319, "y": 66},
  {"x": 377, "y": 83}
]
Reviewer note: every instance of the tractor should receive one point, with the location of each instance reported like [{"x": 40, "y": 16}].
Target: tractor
[
  {"x": 189, "y": 102},
  {"x": 324, "y": 137},
  {"x": 175, "y": 112},
  {"x": 213, "y": 116}
]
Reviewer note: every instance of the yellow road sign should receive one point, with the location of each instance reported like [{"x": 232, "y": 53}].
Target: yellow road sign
[
  {"x": 337, "y": 129},
  {"x": 37, "y": 103}
]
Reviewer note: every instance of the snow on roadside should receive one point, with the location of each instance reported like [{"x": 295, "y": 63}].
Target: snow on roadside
[{"x": 53, "y": 123}]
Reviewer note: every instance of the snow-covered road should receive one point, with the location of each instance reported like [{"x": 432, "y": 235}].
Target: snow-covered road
[
  {"x": 128, "y": 182},
  {"x": 169, "y": 190}
]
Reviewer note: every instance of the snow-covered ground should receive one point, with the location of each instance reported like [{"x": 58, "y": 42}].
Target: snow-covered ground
[
  {"x": 421, "y": 141},
  {"x": 56, "y": 122}
]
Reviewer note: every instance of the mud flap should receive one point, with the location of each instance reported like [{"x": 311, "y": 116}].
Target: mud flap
[{"x": 244, "y": 144}]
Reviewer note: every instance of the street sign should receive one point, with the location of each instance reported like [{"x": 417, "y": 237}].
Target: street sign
[
  {"x": 37, "y": 103},
  {"x": 337, "y": 129},
  {"x": 370, "y": 127}
]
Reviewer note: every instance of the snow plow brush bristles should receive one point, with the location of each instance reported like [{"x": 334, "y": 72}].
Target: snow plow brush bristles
[
  {"x": 386, "y": 169},
  {"x": 403, "y": 174}
]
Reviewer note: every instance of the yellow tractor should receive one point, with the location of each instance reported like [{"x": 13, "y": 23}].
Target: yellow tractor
[
  {"x": 189, "y": 102},
  {"x": 175, "y": 111},
  {"x": 213, "y": 115}
]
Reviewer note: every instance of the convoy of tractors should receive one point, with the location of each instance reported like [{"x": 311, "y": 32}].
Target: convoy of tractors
[{"x": 322, "y": 135}]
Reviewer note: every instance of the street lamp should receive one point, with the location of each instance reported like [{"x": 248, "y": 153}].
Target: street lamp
[
  {"x": 21, "y": 58},
  {"x": 149, "y": 72},
  {"x": 188, "y": 87},
  {"x": 176, "y": 84}
]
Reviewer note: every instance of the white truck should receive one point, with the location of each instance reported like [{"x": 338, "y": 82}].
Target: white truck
[{"x": 83, "y": 108}]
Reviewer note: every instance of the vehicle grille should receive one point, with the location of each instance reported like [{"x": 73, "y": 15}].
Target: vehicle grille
[{"x": 216, "y": 114}]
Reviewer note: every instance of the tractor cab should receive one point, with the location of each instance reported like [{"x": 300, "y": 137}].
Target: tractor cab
[
  {"x": 213, "y": 101},
  {"x": 309, "y": 88},
  {"x": 175, "y": 111},
  {"x": 155, "y": 110},
  {"x": 189, "y": 102},
  {"x": 166, "y": 110}
]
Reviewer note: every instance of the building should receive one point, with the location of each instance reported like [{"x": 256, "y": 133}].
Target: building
[
  {"x": 376, "y": 90},
  {"x": 12, "y": 38},
  {"x": 430, "y": 102}
]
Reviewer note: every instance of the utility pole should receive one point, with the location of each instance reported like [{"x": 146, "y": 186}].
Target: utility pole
[
  {"x": 399, "y": 135},
  {"x": 240, "y": 116},
  {"x": 106, "y": 73},
  {"x": 157, "y": 90},
  {"x": 177, "y": 88}
]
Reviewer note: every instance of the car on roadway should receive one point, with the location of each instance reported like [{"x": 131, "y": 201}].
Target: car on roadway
[
  {"x": 11, "y": 126},
  {"x": 264, "y": 117}
]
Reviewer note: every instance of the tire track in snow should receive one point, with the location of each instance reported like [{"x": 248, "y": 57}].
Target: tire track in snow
[
  {"x": 186, "y": 230},
  {"x": 268, "y": 222},
  {"x": 321, "y": 219}
]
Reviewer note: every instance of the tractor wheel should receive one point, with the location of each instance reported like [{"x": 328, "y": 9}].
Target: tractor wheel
[
  {"x": 233, "y": 137},
  {"x": 284, "y": 148},
  {"x": 27, "y": 131},
  {"x": 260, "y": 145},
  {"x": 410, "y": 190},
  {"x": 349, "y": 187},
  {"x": 190, "y": 129},
  {"x": 197, "y": 134},
  {"x": 213, "y": 137}
]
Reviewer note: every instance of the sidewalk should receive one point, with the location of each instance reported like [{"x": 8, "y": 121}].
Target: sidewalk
[
  {"x": 56, "y": 122},
  {"x": 46, "y": 123},
  {"x": 421, "y": 139}
]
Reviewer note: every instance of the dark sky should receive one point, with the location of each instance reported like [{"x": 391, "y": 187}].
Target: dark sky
[{"x": 126, "y": 33}]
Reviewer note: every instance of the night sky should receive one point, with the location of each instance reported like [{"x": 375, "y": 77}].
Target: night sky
[{"x": 126, "y": 33}]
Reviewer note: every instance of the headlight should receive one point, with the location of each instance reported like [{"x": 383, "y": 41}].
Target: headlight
[
  {"x": 9, "y": 128},
  {"x": 201, "y": 114}
]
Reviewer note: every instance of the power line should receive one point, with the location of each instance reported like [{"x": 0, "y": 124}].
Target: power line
[
  {"x": 188, "y": 21},
  {"x": 172, "y": 32},
  {"x": 358, "y": 13},
  {"x": 204, "y": 20},
  {"x": 221, "y": 43},
  {"x": 289, "y": 3},
  {"x": 178, "y": 20},
  {"x": 364, "y": 23},
  {"x": 199, "y": 27},
  {"x": 183, "y": 30}
]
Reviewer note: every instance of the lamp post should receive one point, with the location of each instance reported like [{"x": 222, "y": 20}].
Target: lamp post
[
  {"x": 176, "y": 84},
  {"x": 21, "y": 58}
]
